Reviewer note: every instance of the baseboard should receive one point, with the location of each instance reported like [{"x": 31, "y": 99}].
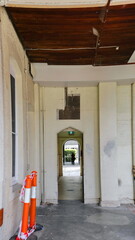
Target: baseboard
[
  {"x": 109, "y": 203},
  {"x": 91, "y": 200},
  {"x": 51, "y": 201},
  {"x": 126, "y": 201}
]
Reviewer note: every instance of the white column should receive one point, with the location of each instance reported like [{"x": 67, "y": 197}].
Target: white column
[
  {"x": 108, "y": 144},
  {"x": 37, "y": 140},
  {"x": 133, "y": 132},
  {"x": 42, "y": 173},
  {"x": 1, "y": 131}
]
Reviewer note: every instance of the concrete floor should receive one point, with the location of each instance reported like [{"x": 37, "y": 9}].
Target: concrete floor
[
  {"x": 70, "y": 188},
  {"x": 70, "y": 184},
  {"x": 72, "y": 220},
  {"x": 71, "y": 170}
]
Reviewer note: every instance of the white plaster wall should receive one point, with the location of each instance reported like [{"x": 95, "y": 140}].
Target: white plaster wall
[
  {"x": 37, "y": 155},
  {"x": 1, "y": 131},
  {"x": 133, "y": 122},
  {"x": 15, "y": 61},
  {"x": 33, "y": 133},
  {"x": 41, "y": 140},
  {"x": 125, "y": 178},
  {"x": 53, "y": 99},
  {"x": 88, "y": 125},
  {"x": 108, "y": 143}
]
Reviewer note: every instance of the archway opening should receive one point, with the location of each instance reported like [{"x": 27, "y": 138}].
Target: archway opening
[
  {"x": 71, "y": 158},
  {"x": 70, "y": 165}
]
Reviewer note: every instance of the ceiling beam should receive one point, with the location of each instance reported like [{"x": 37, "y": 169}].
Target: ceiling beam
[{"x": 103, "y": 19}]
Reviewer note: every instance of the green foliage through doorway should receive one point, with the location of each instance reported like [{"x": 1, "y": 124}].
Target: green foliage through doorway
[{"x": 68, "y": 154}]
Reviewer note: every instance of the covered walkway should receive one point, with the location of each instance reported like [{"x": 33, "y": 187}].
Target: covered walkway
[
  {"x": 67, "y": 73},
  {"x": 72, "y": 220}
]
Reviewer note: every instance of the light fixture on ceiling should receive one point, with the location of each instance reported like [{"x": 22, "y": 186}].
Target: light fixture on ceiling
[{"x": 95, "y": 32}]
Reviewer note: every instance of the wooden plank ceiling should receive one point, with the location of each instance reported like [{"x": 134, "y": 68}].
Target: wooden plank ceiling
[{"x": 96, "y": 36}]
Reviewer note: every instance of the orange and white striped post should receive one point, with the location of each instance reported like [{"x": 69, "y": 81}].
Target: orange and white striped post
[
  {"x": 24, "y": 224},
  {"x": 28, "y": 197},
  {"x": 26, "y": 206},
  {"x": 33, "y": 200}
]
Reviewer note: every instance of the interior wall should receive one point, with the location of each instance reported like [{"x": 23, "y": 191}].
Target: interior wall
[
  {"x": 88, "y": 125},
  {"x": 14, "y": 61},
  {"x": 1, "y": 137},
  {"x": 133, "y": 131}
]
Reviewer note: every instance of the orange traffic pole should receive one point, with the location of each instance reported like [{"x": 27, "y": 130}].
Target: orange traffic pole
[
  {"x": 33, "y": 200},
  {"x": 24, "y": 226}
]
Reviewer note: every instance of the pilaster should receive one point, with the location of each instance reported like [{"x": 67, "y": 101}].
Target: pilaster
[{"x": 108, "y": 144}]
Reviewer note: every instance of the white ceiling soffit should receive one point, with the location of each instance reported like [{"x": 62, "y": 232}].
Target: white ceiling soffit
[
  {"x": 61, "y": 3},
  {"x": 132, "y": 58},
  {"x": 81, "y": 76}
]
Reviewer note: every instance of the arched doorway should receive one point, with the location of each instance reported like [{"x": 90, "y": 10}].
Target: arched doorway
[
  {"x": 70, "y": 173},
  {"x": 71, "y": 158}
]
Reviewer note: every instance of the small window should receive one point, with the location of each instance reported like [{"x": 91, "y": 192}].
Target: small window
[{"x": 13, "y": 115}]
